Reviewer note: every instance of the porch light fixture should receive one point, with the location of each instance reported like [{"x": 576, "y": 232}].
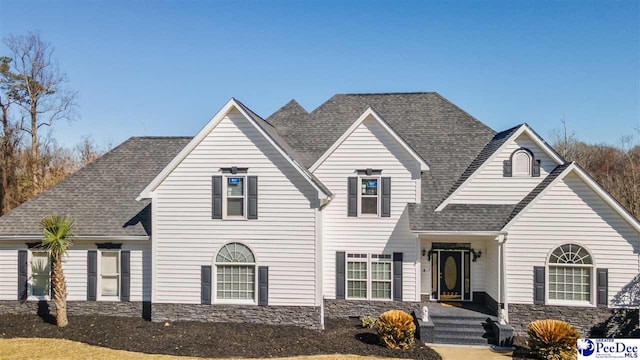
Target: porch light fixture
[{"x": 476, "y": 255}]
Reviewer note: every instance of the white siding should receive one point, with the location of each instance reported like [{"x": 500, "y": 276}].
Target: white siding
[
  {"x": 570, "y": 212},
  {"x": 370, "y": 146},
  {"x": 490, "y": 187},
  {"x": 74, "y": 266},
  {"x": 483, "y": 276},
  {"x": 490, "y": 255},
  {"x": 283, "y": 236},
  {"x": 9, "y": 270}
]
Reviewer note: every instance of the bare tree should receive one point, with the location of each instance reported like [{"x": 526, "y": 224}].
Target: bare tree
[
  {"x": 38, "y": 87},
  {"x": 9, "y": 139}
]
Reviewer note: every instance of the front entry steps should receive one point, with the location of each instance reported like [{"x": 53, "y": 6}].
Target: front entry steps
[
  {"x": 460, "y": 324},
  {"x": 466, "y": 330}
]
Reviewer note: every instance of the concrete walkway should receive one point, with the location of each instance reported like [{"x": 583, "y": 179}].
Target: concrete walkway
[{"x": 470, "y": 353}]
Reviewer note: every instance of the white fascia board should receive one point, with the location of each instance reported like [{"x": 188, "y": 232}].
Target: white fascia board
[
  {"x": 459, "y": 233},
  {"x": 147, "y": 193},
  {"x": 80, "y": 237},
  {"x": 370, "y": 112},
  {"x": 593, "y": 185},
  {"x": 523, "y": 129}
]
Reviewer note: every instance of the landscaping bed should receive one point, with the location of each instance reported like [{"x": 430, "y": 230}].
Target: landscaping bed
[{"x": 210, "y": 339}]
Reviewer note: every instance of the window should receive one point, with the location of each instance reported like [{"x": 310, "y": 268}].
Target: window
[
  {"x": 369, "y": 277},
  {"x": 236, "y": 268},
  {"x": 109, "y": 273},
  {"x": 521, "y": 163},
  {"x": 40, "y": 274},
  {"x": 570, "y": 274},
  {"x": 235, "y": 192},
  {"x": 369, "y": 196},
  {"x": 357, "y": 276},
  {"x": 381, "y": 277}
]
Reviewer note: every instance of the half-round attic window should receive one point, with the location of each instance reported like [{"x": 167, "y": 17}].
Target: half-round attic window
[{"x": 521, "y": 163}]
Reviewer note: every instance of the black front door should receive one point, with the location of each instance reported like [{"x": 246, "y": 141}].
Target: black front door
[{"x": 450, "y": 275}]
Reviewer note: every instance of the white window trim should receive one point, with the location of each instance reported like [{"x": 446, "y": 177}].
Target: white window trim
[
  {"x": 225, "y": 178},
  {"x": 368, "y": 259},
  {"x": 514, "y": 164},
  {"x": 371, "y": 177},
  {"x": 30, "y": 295},
  {"x": 592, "y": 285},
  {"x": 99, "y": 296},
  {"x": 214, "y": 286}
]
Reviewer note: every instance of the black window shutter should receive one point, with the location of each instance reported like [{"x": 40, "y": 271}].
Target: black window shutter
[
  {"x": 23, "y": 264},
  {"x": 352, "y": 196},
  {"x": 397, "y": 276},
  {"x": 92, "y": 274},
  {"x": 252, "y": 206},
  {"x": 216, "y": 200},
  {"x": 535, "y": 172},
  {"x": 602, "y": 286},
  {"x": 538, "y": 285},
  {"x": 263, "y": 285},
  {"x": 385, "y": 209},
  {"x": 340, "y": 274},
  {"x": 205, "y": 284},
  {"x": 125, "y": 275},
  {"x": 506, "y": 168}
]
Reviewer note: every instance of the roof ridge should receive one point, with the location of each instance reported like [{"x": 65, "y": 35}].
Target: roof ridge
[
  {"x": 161, "y": 137},
  {"x": 389, "y": 93}
]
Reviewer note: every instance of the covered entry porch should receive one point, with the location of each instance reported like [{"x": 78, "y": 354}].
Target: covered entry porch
[{"x": 466, "y": 269}]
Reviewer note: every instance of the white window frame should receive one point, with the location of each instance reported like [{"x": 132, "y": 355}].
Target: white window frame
[
  {"x": 214, "y": 280},
  {"x": 592, "y": 279},
  {"x": 514, "y": 164},
  {"x": 360, "y": 196},
  {"x": 367, "y": 259},
  {"x": 225, "y": 180},
  {"x": 381, "y": 259},
  {"x": 30, "y": 295},
  {"x": 101, "y": 297}
]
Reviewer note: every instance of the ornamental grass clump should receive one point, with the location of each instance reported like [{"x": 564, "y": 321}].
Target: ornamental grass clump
[
  {"x": 396, "y": 329},
  {"x": 368, "y": 322},
  {"x": 552, "y": 339}
]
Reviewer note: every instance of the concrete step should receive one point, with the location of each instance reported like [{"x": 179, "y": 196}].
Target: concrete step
[
  {"x": 466, "y": 332},
  {"x": 458, "y": 322},
  {"x": 460, "y": 340}
]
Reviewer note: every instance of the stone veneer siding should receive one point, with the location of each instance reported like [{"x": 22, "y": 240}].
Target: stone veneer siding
[
  {"x": 303, "y": 316},
  {"x": 583, "y": 318},
  {"x": 357, "y": 308},
  {"x": 109, "y": 308}
]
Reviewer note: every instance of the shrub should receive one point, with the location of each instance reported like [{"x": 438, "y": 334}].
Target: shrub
[
  {"x": 553, "y": 339},
  {"x": 396, "y": 329},
  {"x": 368, "y": 322}
]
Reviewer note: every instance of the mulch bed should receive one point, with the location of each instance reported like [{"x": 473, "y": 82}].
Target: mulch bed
[{"x": 211, "y": 339}]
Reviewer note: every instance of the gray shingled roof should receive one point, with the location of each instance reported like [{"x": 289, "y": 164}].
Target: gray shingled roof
[
  {"x": 440, "y": 132},
  {"x": 101, "y": 197},
  {"x": 459, "y": 217}
]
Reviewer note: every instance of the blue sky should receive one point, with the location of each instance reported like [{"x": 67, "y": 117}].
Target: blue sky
[{"x": 165, "y": 67}]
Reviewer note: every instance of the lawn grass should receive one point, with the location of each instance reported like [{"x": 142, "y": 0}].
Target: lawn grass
[{"x": 39, "y": 348}]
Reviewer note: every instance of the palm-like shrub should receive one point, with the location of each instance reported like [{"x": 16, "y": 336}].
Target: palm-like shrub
[
  {"x": 57, "y": 233},
  {"x": 553, "y": 339},
  {"x": 396, "y": 329}
]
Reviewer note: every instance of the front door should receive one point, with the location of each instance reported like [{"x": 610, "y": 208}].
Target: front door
[{"x": 450, "y": 275}]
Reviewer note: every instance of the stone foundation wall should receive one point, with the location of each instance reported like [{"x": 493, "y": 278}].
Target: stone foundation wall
[
  {"x": 585, "y": 319},
  {"x": 303, "y": 316},
  {"x": 109, "y": 308},
  {"x": 357, "y": 308}
]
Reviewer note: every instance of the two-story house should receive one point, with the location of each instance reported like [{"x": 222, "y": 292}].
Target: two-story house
[{"x": 369, "y": 202}]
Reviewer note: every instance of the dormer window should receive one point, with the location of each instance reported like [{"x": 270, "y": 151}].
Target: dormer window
[{"x": 521, "y": 163}]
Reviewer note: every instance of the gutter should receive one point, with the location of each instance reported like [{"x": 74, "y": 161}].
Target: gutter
[{"x": 477, "y": 233}]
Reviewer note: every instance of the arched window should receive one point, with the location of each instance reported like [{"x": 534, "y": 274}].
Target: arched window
[
  {"x": 570, "y": 274},
  {"x": 235, "y": 271},
  {"x": 521, "y": 163}
]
